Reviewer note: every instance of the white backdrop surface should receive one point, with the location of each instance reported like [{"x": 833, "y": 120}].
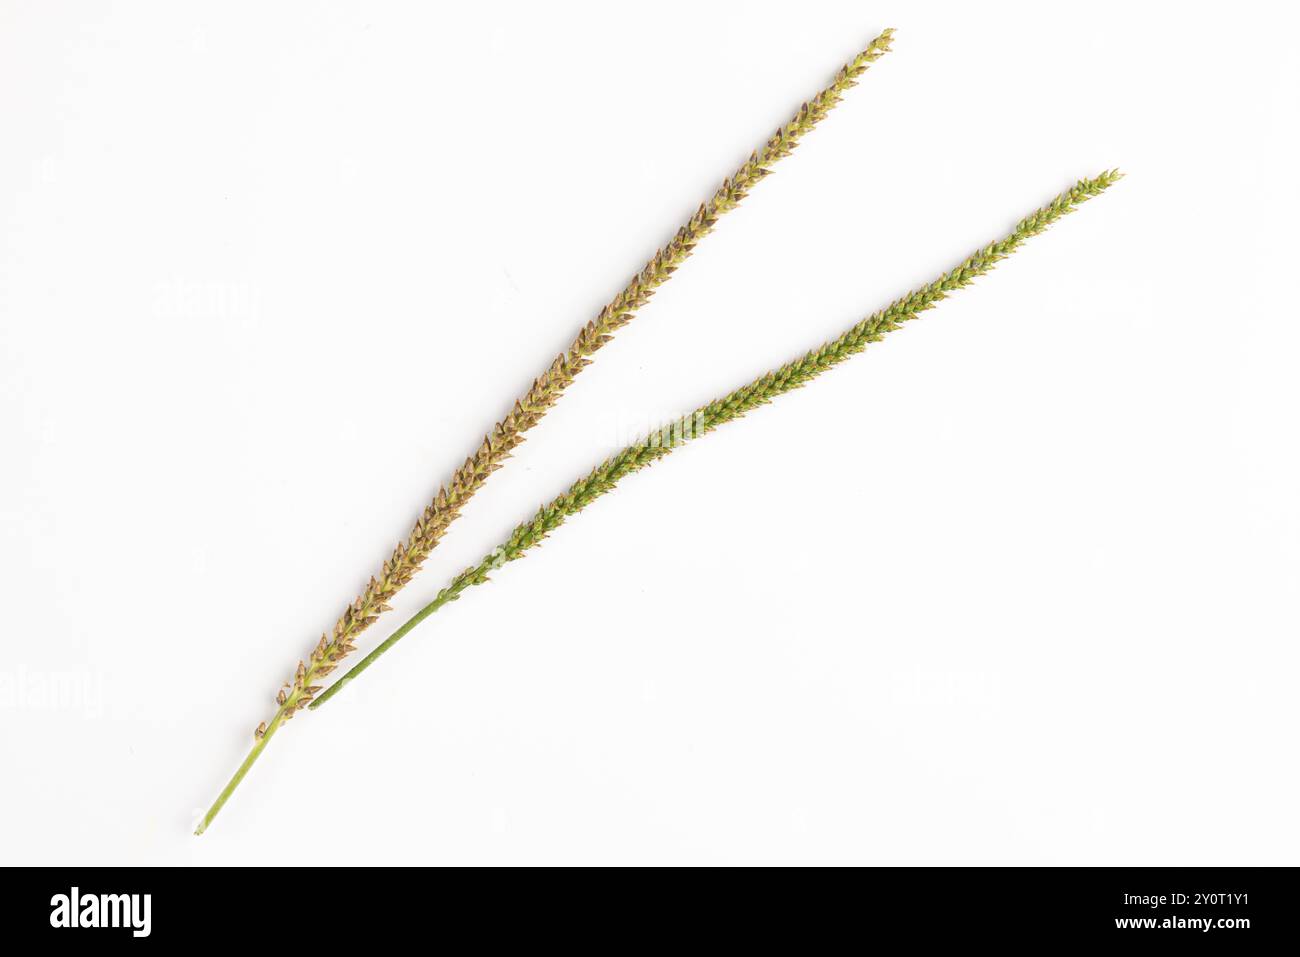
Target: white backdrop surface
[{"x": 1019, "y": 585}]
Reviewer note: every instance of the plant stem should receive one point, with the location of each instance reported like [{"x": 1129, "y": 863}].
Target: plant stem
[
  {"x": 444, "y": 596},
  {"x": 249, "y": 761},
  {"x": 735, "y": 404}
]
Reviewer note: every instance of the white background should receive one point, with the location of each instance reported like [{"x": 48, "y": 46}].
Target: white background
[{"x": 1019, "y": 585}]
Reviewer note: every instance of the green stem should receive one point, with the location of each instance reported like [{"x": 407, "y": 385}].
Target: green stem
[
  {"x": 249, "y": 761},
  {"x": 448, "y": 594}
]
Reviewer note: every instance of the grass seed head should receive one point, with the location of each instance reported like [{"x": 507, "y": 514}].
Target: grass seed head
[{"x": 529, "y": 409}]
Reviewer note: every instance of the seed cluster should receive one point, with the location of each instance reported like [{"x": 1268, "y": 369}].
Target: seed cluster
[
  {"x": 788, "y": 377},
  {"x": 507, "y": 434}
]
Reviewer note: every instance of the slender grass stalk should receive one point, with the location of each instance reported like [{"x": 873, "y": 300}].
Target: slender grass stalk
[
  {"x": 655, "y": 446},
  {"x": 507, "y": 434},
  {"x": 547, "y": 389},
  {"x": 705, "y": 419}
]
